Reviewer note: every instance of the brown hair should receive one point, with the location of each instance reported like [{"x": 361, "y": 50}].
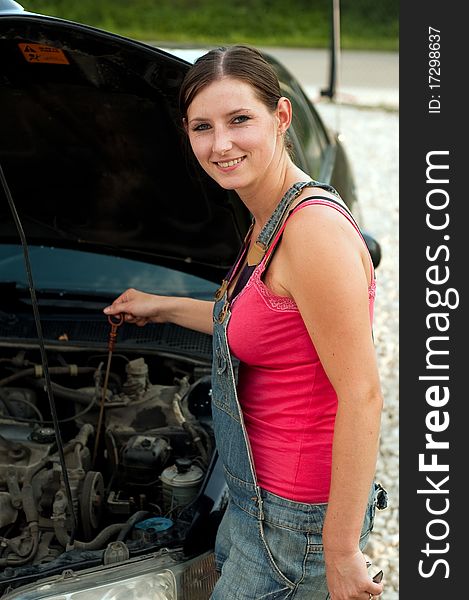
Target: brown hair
[{"x": 241, "y": 62}]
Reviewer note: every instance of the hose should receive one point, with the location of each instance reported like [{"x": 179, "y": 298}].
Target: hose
[
  {"x": 37, "y": 371},
  {"x": 197, "y": 440},
  {"x": 104, "y": 536},
  {"x": 133, "y": 520},
  {"x": 9, "y": 407},
  {"x": 179, "y": 396},
  {"x": 66, "y": 393}
]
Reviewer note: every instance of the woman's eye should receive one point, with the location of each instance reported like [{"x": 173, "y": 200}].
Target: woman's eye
[
  {"x": 241, "y": 119},
  {"x": 201, "y": 127}
]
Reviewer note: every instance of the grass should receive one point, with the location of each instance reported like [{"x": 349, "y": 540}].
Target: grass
[{"x": 365, "y": 24}]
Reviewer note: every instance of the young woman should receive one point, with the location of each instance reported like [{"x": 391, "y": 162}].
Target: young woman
[{"x": 298, "y": 431}]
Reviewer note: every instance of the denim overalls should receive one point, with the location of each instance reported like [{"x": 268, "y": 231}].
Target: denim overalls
[{"x": 269, "y": 547}]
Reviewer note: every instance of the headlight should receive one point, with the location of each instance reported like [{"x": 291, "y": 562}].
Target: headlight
[
  {"x": 158, "y": 577},
  {"x": 157, "y": 586}
]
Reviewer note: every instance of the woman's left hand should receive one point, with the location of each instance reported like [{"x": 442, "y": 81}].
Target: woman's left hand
[{"x": 348, "y": 577}]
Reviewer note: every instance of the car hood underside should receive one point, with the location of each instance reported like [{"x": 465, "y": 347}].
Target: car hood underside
[{"x": 94, "y": 154}]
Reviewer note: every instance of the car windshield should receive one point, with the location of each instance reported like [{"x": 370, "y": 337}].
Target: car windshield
[{"x": 77, "y": 271}]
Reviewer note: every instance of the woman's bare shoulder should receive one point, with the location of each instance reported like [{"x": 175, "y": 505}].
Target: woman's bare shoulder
[
  {"x": 325, "y": 233},
  {"x": 320, "y": 216}
]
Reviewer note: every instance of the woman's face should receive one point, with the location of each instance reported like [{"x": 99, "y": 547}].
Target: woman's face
[{"x": 234, "y": 136}]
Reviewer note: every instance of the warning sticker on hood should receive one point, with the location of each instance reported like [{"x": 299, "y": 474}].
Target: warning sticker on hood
[{"x": 39, "y": 53}]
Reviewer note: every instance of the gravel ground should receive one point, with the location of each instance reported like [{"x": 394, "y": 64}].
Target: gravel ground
[{"x": 371, "y": 141}]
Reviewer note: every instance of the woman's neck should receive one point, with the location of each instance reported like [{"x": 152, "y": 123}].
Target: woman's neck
[{"x": 263, "y": 200}]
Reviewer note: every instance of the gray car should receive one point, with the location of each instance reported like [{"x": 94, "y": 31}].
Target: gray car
[{"x": 110, "y": 486}]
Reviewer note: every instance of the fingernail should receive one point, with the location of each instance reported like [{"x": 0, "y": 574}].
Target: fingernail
[{"x": 107, "y": 309}]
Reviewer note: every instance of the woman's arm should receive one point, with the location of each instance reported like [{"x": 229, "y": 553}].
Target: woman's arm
[
  {"x": 141, "y": 308},
  {"x": 326, "y": 270}
]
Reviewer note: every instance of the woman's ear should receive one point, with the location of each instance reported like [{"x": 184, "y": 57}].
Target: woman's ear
[
  {"x": 284, "y": 114},
  {"x": 184, "y": 124}
]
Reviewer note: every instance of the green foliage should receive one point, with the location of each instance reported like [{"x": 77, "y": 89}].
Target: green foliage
[{"x": 303, "y": 23}]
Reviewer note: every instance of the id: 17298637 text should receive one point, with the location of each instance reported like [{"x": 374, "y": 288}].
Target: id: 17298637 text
[{"x": 434, "y": 103}]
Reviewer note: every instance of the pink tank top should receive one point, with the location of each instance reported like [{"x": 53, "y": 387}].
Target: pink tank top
[{"x": 288, "y": 402}]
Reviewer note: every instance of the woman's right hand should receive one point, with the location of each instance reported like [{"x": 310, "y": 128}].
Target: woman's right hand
[
  {"x": 141, "y": 308},
  {"x": 138, "y": 307}
]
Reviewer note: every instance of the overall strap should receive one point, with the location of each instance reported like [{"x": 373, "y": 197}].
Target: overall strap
[
  {"x": 268, "y": 232},
  {"x": 234, "y": 267},
  {"x": 339, "y": 202},
  {"x": 265, "y": 237},
  {"x": 341, "y": 206}
]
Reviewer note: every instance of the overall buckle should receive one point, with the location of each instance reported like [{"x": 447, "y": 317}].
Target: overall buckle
[
  {"x": 221, "y": 290},
  {"x": 222, "y": 314}
]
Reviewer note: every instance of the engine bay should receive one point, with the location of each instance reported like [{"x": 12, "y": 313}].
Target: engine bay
[{"x": 136, "y": 455}]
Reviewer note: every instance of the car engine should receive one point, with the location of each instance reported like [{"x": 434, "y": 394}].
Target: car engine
[{"x": 135, "y": 454}]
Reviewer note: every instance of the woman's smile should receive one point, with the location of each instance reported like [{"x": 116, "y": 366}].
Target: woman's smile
[{"x": 230, "y": 164}]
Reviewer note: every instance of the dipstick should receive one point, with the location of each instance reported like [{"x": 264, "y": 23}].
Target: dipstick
[{"x": 111, "y": 343}]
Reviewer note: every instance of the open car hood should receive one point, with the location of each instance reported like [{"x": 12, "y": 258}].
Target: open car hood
[{"x": 94, "y": 154}]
